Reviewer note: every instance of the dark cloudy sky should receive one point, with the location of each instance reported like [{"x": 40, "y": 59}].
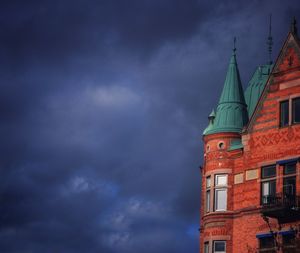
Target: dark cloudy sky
[{"x": 102, "y": 108}]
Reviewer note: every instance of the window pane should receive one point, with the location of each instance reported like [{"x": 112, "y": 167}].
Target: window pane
[
  {"x": 272, "y": 188},
  {"x": 220, "y": 199},
  {"x": 206, "y": 247},
  {"x": 296, "y": 110},
  {"x": 289, "y": 168},
  {"x": 266, "y": 243},
  {"x": 284, "y": 113},
  {"x": 207, "y": 201},
  {"x": 208, "y": 182},
  {"x": 221, "y": 180},
  {"x": 269, "y": 171},
  {"x": 219, "y": 246},
  {"x": 289, "y": 186},
  {"x": 288, "y": 240},
  {"x": 268, "y": 192},
  {"x": 265, "y": 189}
]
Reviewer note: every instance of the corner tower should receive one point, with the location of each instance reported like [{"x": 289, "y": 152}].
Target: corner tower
[{"x": 222, "y": 143}]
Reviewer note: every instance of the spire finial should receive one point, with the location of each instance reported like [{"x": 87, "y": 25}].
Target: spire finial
[
  {"x": 234, "y": 45},
  {"x": 294, "y": 26},
  {"x": 270, "y": 41}
]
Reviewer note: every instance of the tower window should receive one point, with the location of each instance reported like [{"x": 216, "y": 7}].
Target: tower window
[
  {"x": 221, "y": 145},
  {"x": 207, "y": 148},
  {"x": 208, "y": 182},
  {"x": 220, "y": 199},
  {"x": 207, "y": 200},
  {"x": 220, "y": 192},
  {"x": 206, "y": 247},
  {"x": 221, "y": 180},
  {"x": 284, "y": 113},
  {"x": 219, "y": 247}
]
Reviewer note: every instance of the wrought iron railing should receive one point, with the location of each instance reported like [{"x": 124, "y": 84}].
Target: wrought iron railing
[{"x": 281, "y": 200}]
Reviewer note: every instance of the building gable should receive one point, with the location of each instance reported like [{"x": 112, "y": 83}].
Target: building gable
[
  {"x": 289, "y": 56},
  {"x": 285, "y": 74}
]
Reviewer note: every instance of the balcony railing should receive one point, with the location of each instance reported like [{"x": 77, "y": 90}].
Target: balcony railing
[
  {"x": 281, "y": 206},
  {"x": 281, "y": 200}
]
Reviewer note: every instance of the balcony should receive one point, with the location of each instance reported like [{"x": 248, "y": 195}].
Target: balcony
[{"x": 284, "y": 208}]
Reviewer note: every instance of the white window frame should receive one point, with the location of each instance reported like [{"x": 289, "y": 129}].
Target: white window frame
[
  {"x": 206, "y": 247},
  {"x": 214, "y": 244},
  {"x": 217, "y": 178},
  {"x": 217, "y": 208},
  {"x": 221, "y": 183},
  {"x": 208, "y": 194}
]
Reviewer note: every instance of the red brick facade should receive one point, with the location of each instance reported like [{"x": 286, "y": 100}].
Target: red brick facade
[{"x": 264, "y": 143}]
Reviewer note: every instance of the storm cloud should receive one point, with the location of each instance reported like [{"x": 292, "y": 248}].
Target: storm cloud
[{"x": 102, "y": 108}]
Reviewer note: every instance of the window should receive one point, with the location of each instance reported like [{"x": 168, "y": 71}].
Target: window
[
  {"x": 206, "y": 247},
  {"x": 268, "y": 171},
  {"x": 207, "y": 201},
  {"x": 267, "y": 245},
  {"x": 289, "y": 168},
  {"x": 284, "y": 113},
  {"x": 221, "y": 145},
  {"x": 216, "y": 193},
  {"x": 208, "y": 185},
  {"x": 289, "y": 112},
  {"x": 269, "y": 192},
  {"x": 296, "y": 110},
  {"x": 221, "y": 180},
  {"x": 220, "y": 199},
  {"x": 219, "y": 247},
  {"x": 221, "y": 192},
  {"x": 268, "y": 185},
  {"x": 207, "y": 148},
  {"x": 289, "y": 184},
  {"x": 289, "y": 243},
  {"x": 208, "y": 182}
]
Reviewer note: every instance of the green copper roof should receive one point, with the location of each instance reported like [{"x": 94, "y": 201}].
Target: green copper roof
[
  {"x": 256, "y": 86},
  {"x": 231, "y": 114},
  {"x": 211, "y": 118}
]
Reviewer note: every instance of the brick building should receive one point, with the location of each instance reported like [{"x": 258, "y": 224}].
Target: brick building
[{"x": 251, "y": 171}]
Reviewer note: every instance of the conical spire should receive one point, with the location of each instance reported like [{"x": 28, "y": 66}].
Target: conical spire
[
  {"x": 231, "y": 114},
  {"x": 270, "y": 41},
  {"x": 294, "y": 26},
  {"x": 232, "y": 90},
  {"x": 211, "y": 119}
]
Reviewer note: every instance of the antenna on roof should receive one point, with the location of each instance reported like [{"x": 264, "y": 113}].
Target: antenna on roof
[
  {"x": 294, "y": 26},
  {"x": 270, "y": 41},
  {"x": 234, "y": 45}
]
